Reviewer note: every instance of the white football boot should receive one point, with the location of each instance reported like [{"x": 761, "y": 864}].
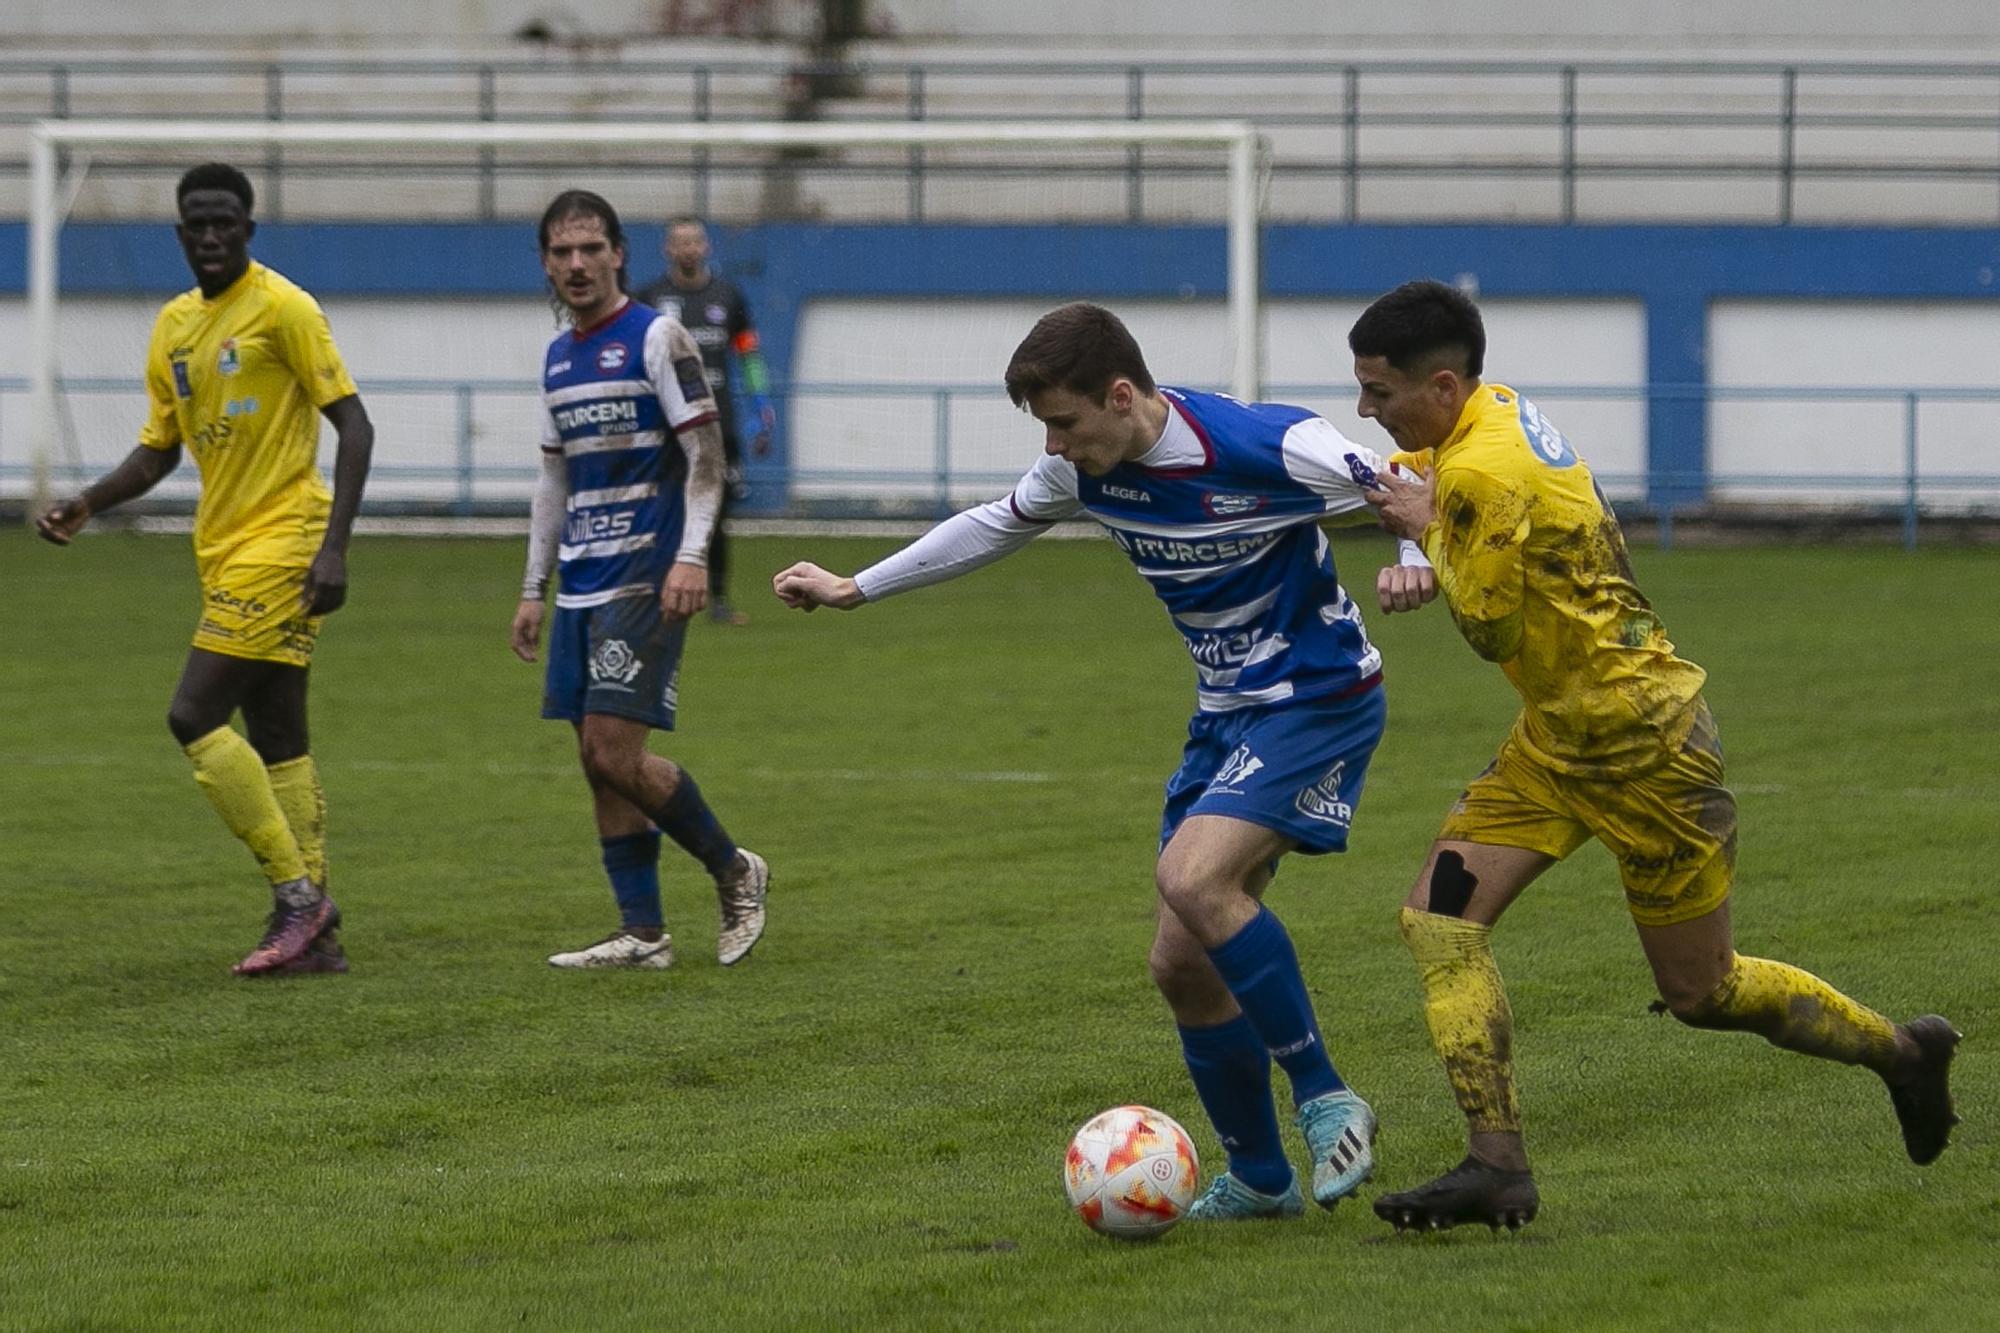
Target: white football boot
[
  {"x": 742, "y": 902},
  {"x": 621, "y": 949}
]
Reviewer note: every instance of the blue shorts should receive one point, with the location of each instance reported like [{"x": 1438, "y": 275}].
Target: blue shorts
[
  {"x": 1298, "y": 768},
  {"x": 622, "y": 658}
]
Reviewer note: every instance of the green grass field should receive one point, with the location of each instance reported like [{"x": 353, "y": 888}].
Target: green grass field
[{"x": 862, "y": 1126}]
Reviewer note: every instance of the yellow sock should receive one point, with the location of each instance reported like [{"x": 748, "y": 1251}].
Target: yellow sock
[
  {"x": 1466, "y": 1008},
  {"x": 1792, "y": 1008},
  {"x": 296, "y": 785},
  {"x": 233, "y": 778}
]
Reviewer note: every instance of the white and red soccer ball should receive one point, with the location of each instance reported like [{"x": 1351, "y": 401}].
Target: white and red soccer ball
[{"x": 1131, "y": 1172}]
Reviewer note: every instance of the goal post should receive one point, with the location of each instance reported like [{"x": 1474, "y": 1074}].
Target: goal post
[{"x": 1237, "y": 142}]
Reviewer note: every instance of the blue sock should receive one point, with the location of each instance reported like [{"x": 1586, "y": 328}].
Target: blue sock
[
  {"x": 1232, "y": 1075},
  {"x": 687, "y": 819},
  {"x": 633, "y": 862},
  {"x": 1262, "y": 972}
]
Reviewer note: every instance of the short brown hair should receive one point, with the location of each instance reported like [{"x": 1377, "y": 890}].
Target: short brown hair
[{"x": 1079, "y": 347}]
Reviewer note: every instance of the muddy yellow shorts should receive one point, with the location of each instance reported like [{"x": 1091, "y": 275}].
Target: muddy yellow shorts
[
  {"x": 253, "y": 611},
  {"x": 1672, "y": 829}
]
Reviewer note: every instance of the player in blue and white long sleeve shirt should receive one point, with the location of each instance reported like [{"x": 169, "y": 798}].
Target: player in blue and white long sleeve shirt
[
  {"x": 632, "y": 474},
  {"x": 1218, "y": 504}
]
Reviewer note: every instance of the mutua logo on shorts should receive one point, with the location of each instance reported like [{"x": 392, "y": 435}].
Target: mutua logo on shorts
[
  {"x": 612, "y": 357},
  {"x": 1322, "y": 801},
  {"x": 1224, "y": 505},
  {"x": 614, "y": 663},
  {"x": 1240, "y": 765}
]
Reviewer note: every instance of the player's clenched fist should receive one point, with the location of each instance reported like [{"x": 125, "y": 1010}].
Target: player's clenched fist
[
  {"x": 63, "y": 520},
  {"x": 1405, "y": 587},
  {"x": 805, "y": 586}
]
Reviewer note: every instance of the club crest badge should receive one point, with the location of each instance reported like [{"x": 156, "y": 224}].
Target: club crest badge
[
  {"x": 612, "y": 357},
  {"x": 228, "y": 362},
  {"x": 614, "y": 663}
]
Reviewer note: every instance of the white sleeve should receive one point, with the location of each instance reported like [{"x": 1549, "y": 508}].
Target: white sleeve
[
  {"x": 1320, "y": 458},
  {"x": 545, "y": 524},
  {"x": 978, "y": 536},
  {"x": 673, "y": 368}
]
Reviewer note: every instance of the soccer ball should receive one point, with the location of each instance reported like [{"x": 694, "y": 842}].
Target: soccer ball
[{"x": 1131, "y": 1172}]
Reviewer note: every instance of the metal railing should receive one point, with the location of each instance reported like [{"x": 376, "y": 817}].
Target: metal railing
[
  {"x": 1351, "y": 140},
  {"x": 467, "y": 447}
]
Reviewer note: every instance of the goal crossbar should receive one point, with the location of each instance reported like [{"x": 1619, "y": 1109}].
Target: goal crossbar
[{"x": 1238, "y": 140}]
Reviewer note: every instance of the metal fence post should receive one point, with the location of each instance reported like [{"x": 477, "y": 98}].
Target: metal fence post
[
  {"x": 488, "y": 110},
  {"x": 59, "y": 110},
  {"x": 1569, "y": 144},
  {"x": 941, "y": 449},
  {"x": 1351, "y": 130},
  {"x": 1788, "y": 149},
  {"x": 1909, "y": 471},
  {"x": 464, "y": 504},
  {"x": 274, "y": 160},
  {"x": 702, "y": 111},
  {"x": 916, "y": 94},
  {"x": 1135, "y": 109}
]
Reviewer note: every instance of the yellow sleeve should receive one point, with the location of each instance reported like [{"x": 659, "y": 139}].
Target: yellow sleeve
[
  {"x": 1476, "y": 542},
  {"x": 306, "y": 342},
  {"x": 163, "y": 424}
]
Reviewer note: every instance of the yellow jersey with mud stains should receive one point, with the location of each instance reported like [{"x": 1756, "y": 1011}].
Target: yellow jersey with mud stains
[
  {"x": 1531, "y": 562},
  {"x": 239, "y": 380}
]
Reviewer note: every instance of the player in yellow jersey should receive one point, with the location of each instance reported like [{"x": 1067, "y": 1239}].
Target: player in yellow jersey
[
  {"x": 1614, "y": 743},
  {"x": 239, "y": 372}
]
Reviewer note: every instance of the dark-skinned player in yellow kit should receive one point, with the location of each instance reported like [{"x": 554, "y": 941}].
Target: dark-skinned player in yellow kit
[
  {"x": 1614, "y": 743},
  {"x": 240, "y": 371}
]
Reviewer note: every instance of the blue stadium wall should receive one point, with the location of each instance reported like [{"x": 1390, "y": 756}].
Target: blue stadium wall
[{"x": 1675, "y": 272}]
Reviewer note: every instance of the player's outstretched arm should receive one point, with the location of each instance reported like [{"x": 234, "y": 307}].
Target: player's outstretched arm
[
  {"x": 807, "y": 587},
  {"x": 141, "y": 471}
]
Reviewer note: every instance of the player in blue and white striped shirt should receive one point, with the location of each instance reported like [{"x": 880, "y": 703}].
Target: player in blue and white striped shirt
[
  {"x": 1217, "y": 503},
  {"x": 632, "y": 474}
]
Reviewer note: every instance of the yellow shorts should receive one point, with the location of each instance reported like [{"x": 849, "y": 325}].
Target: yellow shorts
[
  {"x": 1673, "y": 829},
  {"x": 253, "y": 611}
]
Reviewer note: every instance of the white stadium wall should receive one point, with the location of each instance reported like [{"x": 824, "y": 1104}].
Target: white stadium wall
[
  {"x": 966, "y": 345},
  {"x": 1584, "y": 361},
  {"x": 1843, "y": 346}
]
